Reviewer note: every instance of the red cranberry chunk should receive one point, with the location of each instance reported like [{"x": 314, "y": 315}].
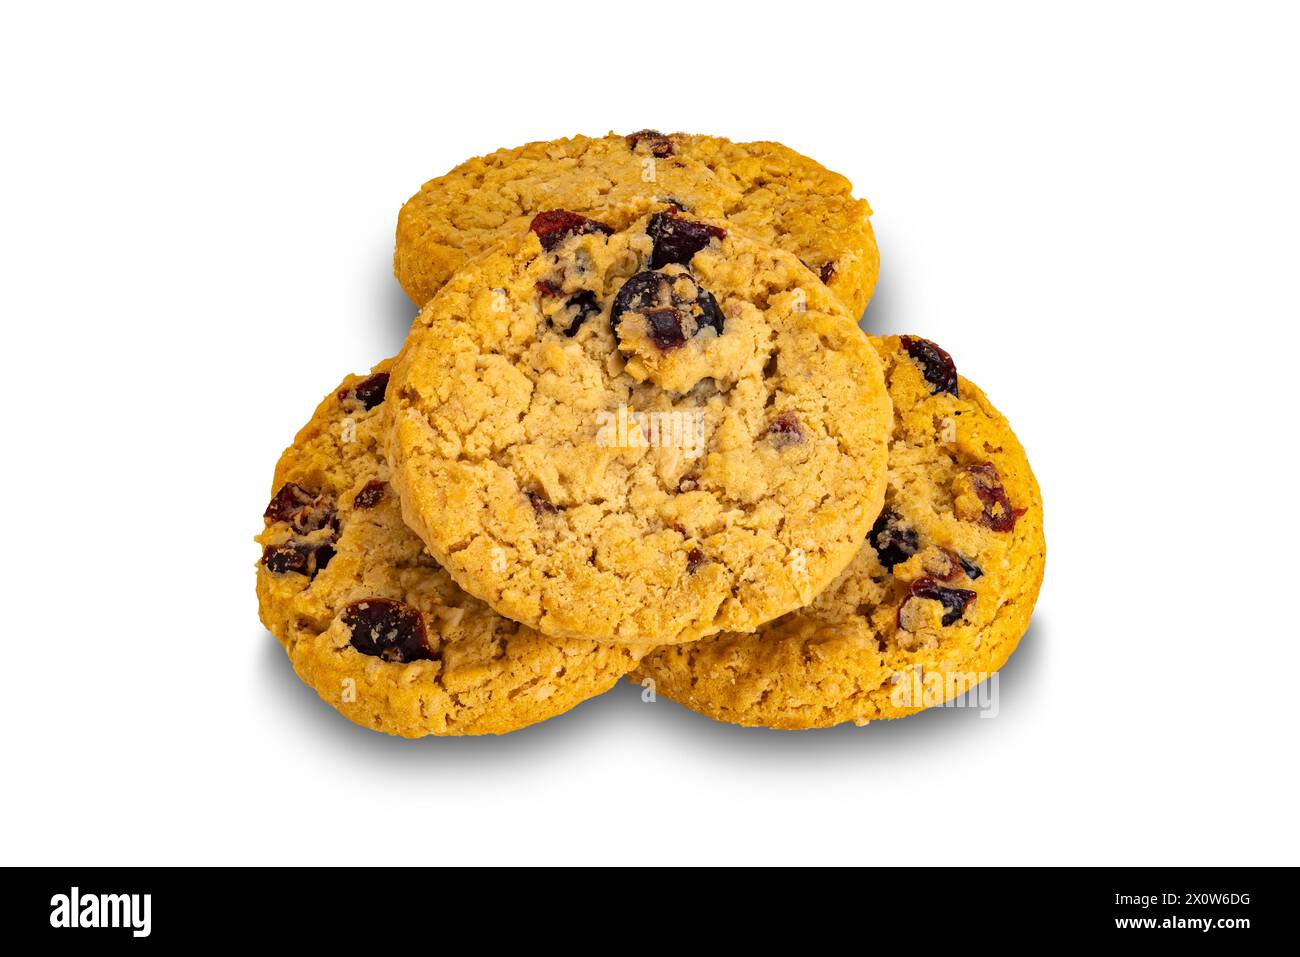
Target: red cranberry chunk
[
  {"x": 304, "y": 558},
  {"x": 694, "y": 559},
  {"x": 367, "y": 393},
  {"x": 954, "y": 600},
  {"x": 710, "y": 315},
  {"x": 785, "y": 430},
  {"x": 676, "y": 240},
  {"x": 647, "y": 290},
  {"x": 556, "y": 225},
  {"x": 285, "y": 558},
  {"x": 371, "y": 494},
  {"x": 656, "y": 143},
  {"x": 387, "y": 629},
  {"x": 546, "y": 288},
  {"x": 827, "y": 272},
  {"x": 998, "y": 513},
  {"x": 305, "y": 511},
  {"x": 893, "y": 540},
  {"x": 665, "y": 328},
  {"x": 640, "y": 292},
  {"x": 287, "y": 502},
  {"x": 321, "y": 557},
  {"x": 584, "y": 305},
  {"x": 540, "y": 505},
  {"x": 936, "y": 365}
]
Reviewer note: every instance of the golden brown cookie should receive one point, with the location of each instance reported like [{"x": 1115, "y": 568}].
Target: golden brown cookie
[
  {"x": 937, "y": 598},
  {"x": 765, "y": 190},
  {"x": 640, "y": 429},
  {"x": 372, "y": 622}
]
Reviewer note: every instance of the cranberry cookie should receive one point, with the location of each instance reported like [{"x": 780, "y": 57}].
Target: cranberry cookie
[
  {"x": 765, "y": 190},
  {"x": 369, "y": 619},
  {"x": 938, "y": 597},
  {"x": 639, "y": 429}
]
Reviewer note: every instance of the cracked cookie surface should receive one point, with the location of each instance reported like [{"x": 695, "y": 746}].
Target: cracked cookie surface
[
  {"x": 371, "y": 621},
  {"x": 941, "y": 590},
  {"x": 604, "y": 448},
  {"x": 766, "y": 190}
]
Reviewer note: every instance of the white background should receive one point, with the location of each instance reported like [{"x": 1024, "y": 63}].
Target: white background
[{"x": 1095, "y": 212}]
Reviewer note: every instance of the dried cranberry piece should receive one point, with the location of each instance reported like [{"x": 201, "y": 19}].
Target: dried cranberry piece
[
  {"x": 546, "y": 288},
  {"x": 371, "y": 494},
  {"x": 954, "y": 600},
  {"x": 305, "y": 511},
  {"x": 710, "y": 315},
  {"x": 322, "y": 557},
  {"x": 556, "y": 225},
  {"x": 676, "y": 240},
  {"x": 658, "y": 144},
  {"x": 893, "y": 541},
  {"x": 585, "y": 304},
  {"x": 540, "y": 505},
  {"x": 998, "y": 513},
  {"x": 304, "y": 558},
  {"x": 972, "y": 570},
  {"x": 367, "y": 393},
  {"x": 285, "y": 558},
  {"x": 936, "y": 365},
  {"x": 665, "y": 326},
  {"x": 387, "y": 629},
  {"x": 371, "y": 392},
  {"x": 785, "y": 430},
  {"x": 827, "y": 272},
  {"x": 287, "y": 502},
  {"x": 648, "y": 290},
  {"x": 641, "y": 291},
  {"x": 694, "y": 559}
]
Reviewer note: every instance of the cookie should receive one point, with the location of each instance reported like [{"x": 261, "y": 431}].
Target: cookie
[
  {"x": 642, "y": 430},
  {"x": 766, "y": 190},
  {"x": 372, "y": 622},
  {"x": 937, "y": 598}
]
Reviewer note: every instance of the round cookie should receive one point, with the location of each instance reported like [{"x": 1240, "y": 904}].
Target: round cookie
[
  {"x": 369, "y": 619},
  {"x": 766, "y": 190},
  {"x": 937, "y": 598},
  {"x": 710, "y": 465}
]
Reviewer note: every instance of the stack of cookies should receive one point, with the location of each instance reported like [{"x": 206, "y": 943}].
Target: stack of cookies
[{"x": 636, "y": 431}]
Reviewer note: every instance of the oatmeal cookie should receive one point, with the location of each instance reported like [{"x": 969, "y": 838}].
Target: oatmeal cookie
[
  {"x": 643, "y": 429},
  {"x": 937, "y": 598},
  {"x": 765, "y": 190},
  {"x": 372, "y": 622}
]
